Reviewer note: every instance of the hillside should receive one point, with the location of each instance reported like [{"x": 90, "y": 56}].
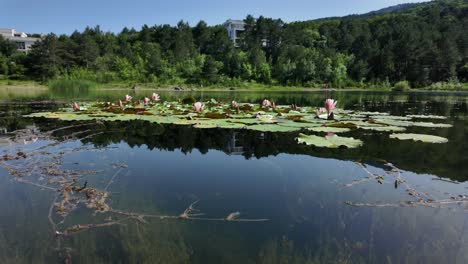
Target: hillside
[{"x": 425, "y": 44}]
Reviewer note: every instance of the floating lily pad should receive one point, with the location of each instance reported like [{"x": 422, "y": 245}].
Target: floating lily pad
[
  {"x": 387, "y": 117},
  {"x": 329, "y": 129},
  {"x": 420, "y": 137},
  {"x": 427, "y": 117},
  {"x": 228, "y": 125},
  {"x": 299, "y": 124},
  {"x": 351, "y": 125},
  {"x": 247, "y": 116},
  {"x": 333, "y": 141},
  {"x": 373, "y": 113},
  {"x": 250, "y": 121},
  {"x": 409, "y": 123},
  {"x": 434, "y": 125},
  {"x": 205, "y": 125},
  {"x": 273, "y": 128},
  {"x": 384, "y": 128}
]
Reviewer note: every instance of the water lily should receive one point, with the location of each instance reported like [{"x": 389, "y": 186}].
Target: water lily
[
  {"x": 198, "y": 106},
  {"x": 330, "y": 105},
  {"x": 266, "y": 103},
  {"x": 136, "y": 103},
  {"x": 128, "y": 98},
  {"x": 120, "y": 104},
  {"x": 234, "y": 104},
  {"x": 273, "y": 104},
  {"x": 146, "y": 100},
  {"x": 320, "y": 111},
  {"x": 155, "y": 97},
  {"x": 76, "y": 107}
]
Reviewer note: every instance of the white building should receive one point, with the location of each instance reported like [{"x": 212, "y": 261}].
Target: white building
[
  {"x": 234, "y": 27},
  {"x": 20, "y": 38}
]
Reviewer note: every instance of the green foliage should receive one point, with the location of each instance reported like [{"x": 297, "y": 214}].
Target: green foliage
[
  {"x": 454, "y": 85},
  {"x": 75, "y": 87},
  {"x": 401, "y": 86},
  {"x": 426, "y": 44}
]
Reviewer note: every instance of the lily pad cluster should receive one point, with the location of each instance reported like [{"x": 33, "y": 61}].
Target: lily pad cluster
[{"x": 264, "y": 117}]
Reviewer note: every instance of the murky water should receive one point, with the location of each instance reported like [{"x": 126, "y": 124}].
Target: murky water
[{"x": 322, "y": 205}]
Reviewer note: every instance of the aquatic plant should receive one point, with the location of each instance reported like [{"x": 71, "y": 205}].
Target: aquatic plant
[
  {"x": 266, "y": 103},
  {"x": 198, "y": 107},
  {"x": 280, "y": 119},
  {"x": 155, "y": 97},
  {"x": 76, "y": 107},
  {"x": 330, "y": 105}
]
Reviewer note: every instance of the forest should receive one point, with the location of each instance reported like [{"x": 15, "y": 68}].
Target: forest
[{"x": 421, "y": 45}]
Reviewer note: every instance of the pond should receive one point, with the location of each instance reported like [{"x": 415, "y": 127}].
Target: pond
[{"x": 141, "y": 192}]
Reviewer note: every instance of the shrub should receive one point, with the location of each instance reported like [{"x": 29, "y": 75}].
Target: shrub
[
  {"x": 451, "y": 85},
  {"x": 401, "y": 86}
]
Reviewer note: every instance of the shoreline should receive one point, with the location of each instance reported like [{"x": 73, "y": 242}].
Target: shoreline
[{"x": 25, "y": 85}]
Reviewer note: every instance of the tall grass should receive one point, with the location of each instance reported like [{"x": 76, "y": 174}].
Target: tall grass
[{"x": 71, "y": 87}]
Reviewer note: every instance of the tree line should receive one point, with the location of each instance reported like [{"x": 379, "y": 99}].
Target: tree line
[{"x": 423, "y": 44}]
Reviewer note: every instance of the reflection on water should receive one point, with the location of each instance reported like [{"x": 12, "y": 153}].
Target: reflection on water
[{"x": 304, "y": 192}]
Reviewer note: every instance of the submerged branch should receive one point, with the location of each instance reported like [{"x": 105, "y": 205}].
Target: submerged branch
[
  {"x": 188, "y": 214},
  {"x": 73, "y": 126}
]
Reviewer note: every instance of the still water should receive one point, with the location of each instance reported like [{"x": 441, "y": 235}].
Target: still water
[{"x": 319, "y": 205}]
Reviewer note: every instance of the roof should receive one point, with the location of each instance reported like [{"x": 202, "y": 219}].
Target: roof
[
  {"x": 233, "y": 21},
  {"x": 22, "y": 39}
]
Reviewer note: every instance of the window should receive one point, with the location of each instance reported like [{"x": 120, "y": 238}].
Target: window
[{"x": 21, "y": 45}]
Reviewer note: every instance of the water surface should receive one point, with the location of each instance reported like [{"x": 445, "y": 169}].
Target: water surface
[{"x": 306, "y": 193}]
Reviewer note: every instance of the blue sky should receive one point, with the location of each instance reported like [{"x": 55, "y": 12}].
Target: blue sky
[{"x": 62, "y": 16}]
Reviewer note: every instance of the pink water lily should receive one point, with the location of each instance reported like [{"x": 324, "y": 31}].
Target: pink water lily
[
  {"x": 155, "y": 97},
  {"x": 136, "y": 103},
  {"x": 198, "y": 107},
  {"x": 266, "y": 103},
  {"x": 128, "y": 98},
  {"x": 320, "y": 111},
  {"x": 330, "y": 105},
  {"x": 76, "y": 107},
  {"x": 146, "y": 100},
  {"x": 120, "y": 104}
]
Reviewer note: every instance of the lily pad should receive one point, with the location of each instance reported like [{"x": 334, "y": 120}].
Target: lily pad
[
  {"x": 273, "y": 128},
  {"x": 427, "y": 117},
  {"x": 420, "y": 137},
  {"x": 409, "y": 123},
  {"x": 329, "y": 129},
  {"x": 205, "y": 125},
  {"x": 372, "y": 113},
  {"x": 252, "y": 117},
  {"x": 332, "y": 141},
  {"x": 299, "y": 124},
  {"x": 386, "y": 117},
  {"x": 251, "y": 121},
  {"x": 384, "y": 128}
]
